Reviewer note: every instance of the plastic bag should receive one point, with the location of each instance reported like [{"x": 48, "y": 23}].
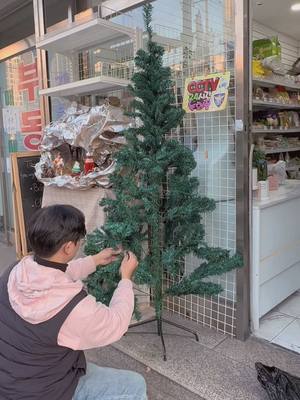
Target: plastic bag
[
  {"x": 278, "y": 384},
  {"x": 274, "y": 64},
  {"x": 267, "y": 47},
  {"x": 278, "y": 170}
]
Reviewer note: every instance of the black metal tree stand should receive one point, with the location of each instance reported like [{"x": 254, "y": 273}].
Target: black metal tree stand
[{"x": 160, "y": 322}]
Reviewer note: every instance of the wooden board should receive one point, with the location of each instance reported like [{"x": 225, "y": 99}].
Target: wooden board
[{"x": 27, "y": 196}]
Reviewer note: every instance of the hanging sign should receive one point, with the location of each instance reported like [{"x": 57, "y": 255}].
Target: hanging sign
[{"x": 206, "y": 93}]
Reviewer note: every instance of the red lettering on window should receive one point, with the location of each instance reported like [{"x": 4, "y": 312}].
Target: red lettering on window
[
  {"x": 28, "y": 79},
  {"x": 206, "y": 85},
  {"x": 31, "y": 121},
  {"x": 32, "y": 141},
  {"x": 214, "y": 84}
]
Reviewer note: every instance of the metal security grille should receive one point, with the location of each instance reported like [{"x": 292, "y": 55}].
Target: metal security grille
[{"x": 202, "y": 43}]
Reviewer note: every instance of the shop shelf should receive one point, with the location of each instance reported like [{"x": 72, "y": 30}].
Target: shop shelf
[
  {"x": 294, "y": 168},
  {"x": 269, "y": 104},
  {"x": 82, "y": 35},
  {"x": 272, "y": 83},
  {"x": 277, "y": 130},
  {"x": 282, "y": 150},
  {"x": 85, "y": 86}
]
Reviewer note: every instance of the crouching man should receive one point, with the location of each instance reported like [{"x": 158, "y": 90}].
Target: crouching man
[{"x": 47, "y": 319}]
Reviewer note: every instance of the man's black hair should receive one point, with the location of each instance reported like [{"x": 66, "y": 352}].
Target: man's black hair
[{"x": 53, "y": 226}]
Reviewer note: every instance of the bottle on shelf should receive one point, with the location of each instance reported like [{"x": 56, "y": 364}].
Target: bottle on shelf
[{"x": 287, "y": 159}]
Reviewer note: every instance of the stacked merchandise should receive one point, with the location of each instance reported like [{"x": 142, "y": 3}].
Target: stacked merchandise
[
  {"x": 281, "y": 146},
  {"x": 267, "y": 64},
  {"x": 278, "y": 95},
  {"x": 276, "y": 142},
  {"x": 276, "y": 120}
]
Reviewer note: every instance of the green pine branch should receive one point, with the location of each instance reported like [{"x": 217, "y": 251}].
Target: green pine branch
[{"x": 158, "y": 210}]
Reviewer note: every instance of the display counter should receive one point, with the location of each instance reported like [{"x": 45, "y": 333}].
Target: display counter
[{"x": 275, "y": 270}]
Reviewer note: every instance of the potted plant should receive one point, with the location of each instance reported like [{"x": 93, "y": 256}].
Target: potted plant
[{"x": 260, "y": 163}]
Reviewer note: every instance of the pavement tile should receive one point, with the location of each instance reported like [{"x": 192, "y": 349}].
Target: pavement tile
[
  {"x": 159, "y": 387},
  {"x": 253, "y": 350},
  {"x": 200, "y": 369}
]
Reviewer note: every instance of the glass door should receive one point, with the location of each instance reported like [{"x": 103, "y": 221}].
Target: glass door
[{"x": 20, "y": 128}]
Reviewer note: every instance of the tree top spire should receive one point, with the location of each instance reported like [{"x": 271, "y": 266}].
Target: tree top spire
[{"x": 148, "y": 19}]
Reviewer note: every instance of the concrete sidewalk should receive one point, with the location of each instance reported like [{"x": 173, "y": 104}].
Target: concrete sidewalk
[
  {"x": 216, "y": 368},
  {"x": 159, "y": 387}
]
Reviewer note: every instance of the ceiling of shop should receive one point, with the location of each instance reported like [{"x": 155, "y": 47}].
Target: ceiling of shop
[
  {"x": 16, "y": 21},
  {"x": 16, "y": 17},
  {"x": 10, "y": 5},
  {"x": 277, "y": 14}
]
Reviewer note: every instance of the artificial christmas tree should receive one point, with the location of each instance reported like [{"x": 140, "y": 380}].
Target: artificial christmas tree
[{"x": 157, "y": 210}]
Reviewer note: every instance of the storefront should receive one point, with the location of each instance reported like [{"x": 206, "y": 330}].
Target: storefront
[
  {"x": 275, "y": 128},
  {"x": 200, "y": 38}
]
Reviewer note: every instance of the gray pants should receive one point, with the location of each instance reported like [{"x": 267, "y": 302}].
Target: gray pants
[{"x": 110, "y": 384}]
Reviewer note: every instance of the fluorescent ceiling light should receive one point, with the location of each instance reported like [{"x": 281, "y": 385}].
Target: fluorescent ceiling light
[{"x": 295, "y": 7}]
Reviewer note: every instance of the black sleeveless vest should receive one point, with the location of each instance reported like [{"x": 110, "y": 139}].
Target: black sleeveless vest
[{"x": 32, "y": 365}]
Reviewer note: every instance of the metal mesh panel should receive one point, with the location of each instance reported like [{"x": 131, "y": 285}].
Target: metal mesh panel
[{"x": 199, "y": 48}]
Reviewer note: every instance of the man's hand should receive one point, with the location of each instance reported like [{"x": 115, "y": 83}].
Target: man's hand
[
  {"x": 106, "y": 256},
  {"x": 128, "y": 265}
]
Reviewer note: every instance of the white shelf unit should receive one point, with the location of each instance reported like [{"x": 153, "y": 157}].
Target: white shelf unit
[
  {"x": 79, "y": 36},
  {"x": 275, "y": 261},
  {"x": 271, "y": 104},
  {"x": 282, "y": 150},
  {"x": 278, "y": 82},
  {"x": 85, "y": 86},
  {"x": 293, "y": 168},
  {"x": 89, "y": 57},
  {"x": 277, "y": 130}
]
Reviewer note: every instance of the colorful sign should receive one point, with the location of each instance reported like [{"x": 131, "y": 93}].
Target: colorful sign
[
  {"x": 206, "y": 93},
  {"x": 21, "y": 103}
]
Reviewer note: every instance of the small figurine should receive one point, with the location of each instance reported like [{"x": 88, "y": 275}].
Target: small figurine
[
  {"x": 47, "y": 171},
  {"x": 58, "y": 165},
  {"x": 258, "y": 93},
  {"x": 76, "y": 169}
]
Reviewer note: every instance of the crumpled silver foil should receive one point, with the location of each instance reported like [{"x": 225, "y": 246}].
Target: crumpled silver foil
[
  {"x": 81, "y": 125},
  {"x": 92, "y": 129}
]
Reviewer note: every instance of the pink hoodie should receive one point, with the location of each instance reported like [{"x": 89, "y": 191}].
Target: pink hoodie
[{"x": 37, "y": 293}]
